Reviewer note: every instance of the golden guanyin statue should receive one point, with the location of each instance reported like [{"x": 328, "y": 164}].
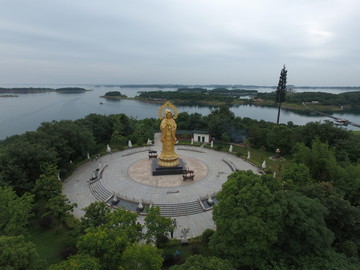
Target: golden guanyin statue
[{"x": 168, "y": 156}]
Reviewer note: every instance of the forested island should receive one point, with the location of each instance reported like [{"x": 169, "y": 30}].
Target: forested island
[
  {"x": 222, "y": 96},
  {"x": 114, "y": 95},
  {"x": 32, "y": 90},
  {"x": 303, "y": 213},
  {"x": 5, "y": 96}
]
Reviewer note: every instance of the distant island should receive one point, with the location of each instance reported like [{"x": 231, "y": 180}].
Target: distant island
[
  {"x": 71, "y": 90},
  {"x": 320, "y": 101},
  {"x": 114, "y": 95},
  {"x": 6, "y": 96},
  {"x": 32, "y": 90}
]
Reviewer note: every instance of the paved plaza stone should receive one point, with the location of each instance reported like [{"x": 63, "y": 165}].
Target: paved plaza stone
[{"x": 128, "y": 174}]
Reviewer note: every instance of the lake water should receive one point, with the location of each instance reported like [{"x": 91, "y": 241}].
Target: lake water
[{"x": 27, "y": 111}]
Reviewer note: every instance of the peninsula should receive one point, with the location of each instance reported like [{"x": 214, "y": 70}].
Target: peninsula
[{"x": 320, "y": 101}]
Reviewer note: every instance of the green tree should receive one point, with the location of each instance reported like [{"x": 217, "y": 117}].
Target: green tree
[
  {"x": 280, "y": 136},
  {"x": 107, "y": 242},
  {"x": 47, "y": 185},
  {"x": 332, "y": 261},
  {"x": 59, "y": 207},
  {"x": 342, "y": 218},
  {"x": 157, "y": 226},
  {"x": 126, "y": 222},
  {"x": 18, "y": 254},
  {"x": 77, "y": 262},
  {"x": 198, "y": 262},
  {"x": 142, "y": 257},
  {"x": 220, "y": 121},
  {"x": 304, "y": 232},
  {"x": 197, "y": 121},
  {"x": 344, "y": 221},
  {"x": 21, "y": 158},
  {"x": 257, "y": 133},
  {"x": 296, "y": 175},
  {"x": 96, "y": 214},
  {"x": 15, "y": 211},
  {"x": 70, "y": 140},
  {"x": 141, "y": 133},
  {"x": 101, "y": 126},
  {"x": 281, "y": 91},
  {"x": 351, "y": 146},
  {"x": 319, "y": 158},
  {"x": 348, "y": 183},
  {"x": 248, "y": 220},
  {"x": 326, "y": 132},
  {"x": 183, "y": 121},
  {"x": 121, "y": 130}
]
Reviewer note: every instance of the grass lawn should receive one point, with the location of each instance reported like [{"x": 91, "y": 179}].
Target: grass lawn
[
  {"x": 49, "y": 242},
  {"x": 257, "y": 156},
  {"x": 195, "y": 247}
]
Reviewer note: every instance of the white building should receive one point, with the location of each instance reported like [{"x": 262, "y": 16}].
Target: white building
[{"x": 201, "y": 136}]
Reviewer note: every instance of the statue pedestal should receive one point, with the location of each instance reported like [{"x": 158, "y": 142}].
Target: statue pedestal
[{"x": 160, "y": 170}]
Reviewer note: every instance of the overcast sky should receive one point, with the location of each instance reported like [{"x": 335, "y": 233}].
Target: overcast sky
[{"x": 180, "y": 41}]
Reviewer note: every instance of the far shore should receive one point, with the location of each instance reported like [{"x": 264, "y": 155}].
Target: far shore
[
  {"x": 7, "y": 96},
  {"x": 263, "y": 103}
]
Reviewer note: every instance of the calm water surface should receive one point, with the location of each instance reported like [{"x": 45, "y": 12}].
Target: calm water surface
[{"x": 27, "y": 111}]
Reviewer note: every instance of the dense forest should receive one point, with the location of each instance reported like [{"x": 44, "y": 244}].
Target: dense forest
[
  {"x": 307, "y": 217},
  {"x": 195, "y": 97},
  {"x": 347, "y": 98}
]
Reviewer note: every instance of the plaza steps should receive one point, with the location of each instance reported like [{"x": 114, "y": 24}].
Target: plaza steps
[
  {"x": 180, "y": 209},
  {"x": 166, "y": 210},
  {"x": 99, "y": 191}
]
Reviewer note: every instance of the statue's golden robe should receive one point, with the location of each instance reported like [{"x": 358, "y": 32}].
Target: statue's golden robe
[{"x": 168, "y": 156}]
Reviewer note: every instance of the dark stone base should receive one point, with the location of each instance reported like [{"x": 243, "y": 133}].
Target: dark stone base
[{"x": 159, "y": 170}]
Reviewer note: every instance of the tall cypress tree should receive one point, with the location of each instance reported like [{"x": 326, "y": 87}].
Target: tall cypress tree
[{"x": 281, "y": 91}]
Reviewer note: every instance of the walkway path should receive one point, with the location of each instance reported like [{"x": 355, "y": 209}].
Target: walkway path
[
  {"x": 116, "y": 178},
  {"x": 333, "y": 117}
]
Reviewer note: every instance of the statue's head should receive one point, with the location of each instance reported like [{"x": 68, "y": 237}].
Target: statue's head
[{"x": 168, "y": 113}]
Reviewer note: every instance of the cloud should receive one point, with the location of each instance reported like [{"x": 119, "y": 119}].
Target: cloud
[{"x": 180, "y": 41}]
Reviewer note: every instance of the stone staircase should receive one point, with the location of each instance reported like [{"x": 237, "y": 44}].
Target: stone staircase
[
  {"x": 166, "y": 210},
  {"x": 180, "y": 209},
  {"x": 99, "y": 191}
]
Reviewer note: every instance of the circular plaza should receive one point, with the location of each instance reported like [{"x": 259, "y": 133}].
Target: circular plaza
[{"x": 125, "y": 180}]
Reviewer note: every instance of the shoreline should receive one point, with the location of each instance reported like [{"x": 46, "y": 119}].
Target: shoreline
[{"x": 265, "y": 103}]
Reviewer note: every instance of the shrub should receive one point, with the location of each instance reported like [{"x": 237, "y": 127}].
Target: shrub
[
  {"x": 206, "y": 235},
  {"x": 169, "y": 259},
  {"x": 161, "y": 241},
  {"x": 45, "y": 222},
  {"x": 66, "y": 252},
  {"x": 194, "y": 249},
  {"x": 179, "y": 259}
]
